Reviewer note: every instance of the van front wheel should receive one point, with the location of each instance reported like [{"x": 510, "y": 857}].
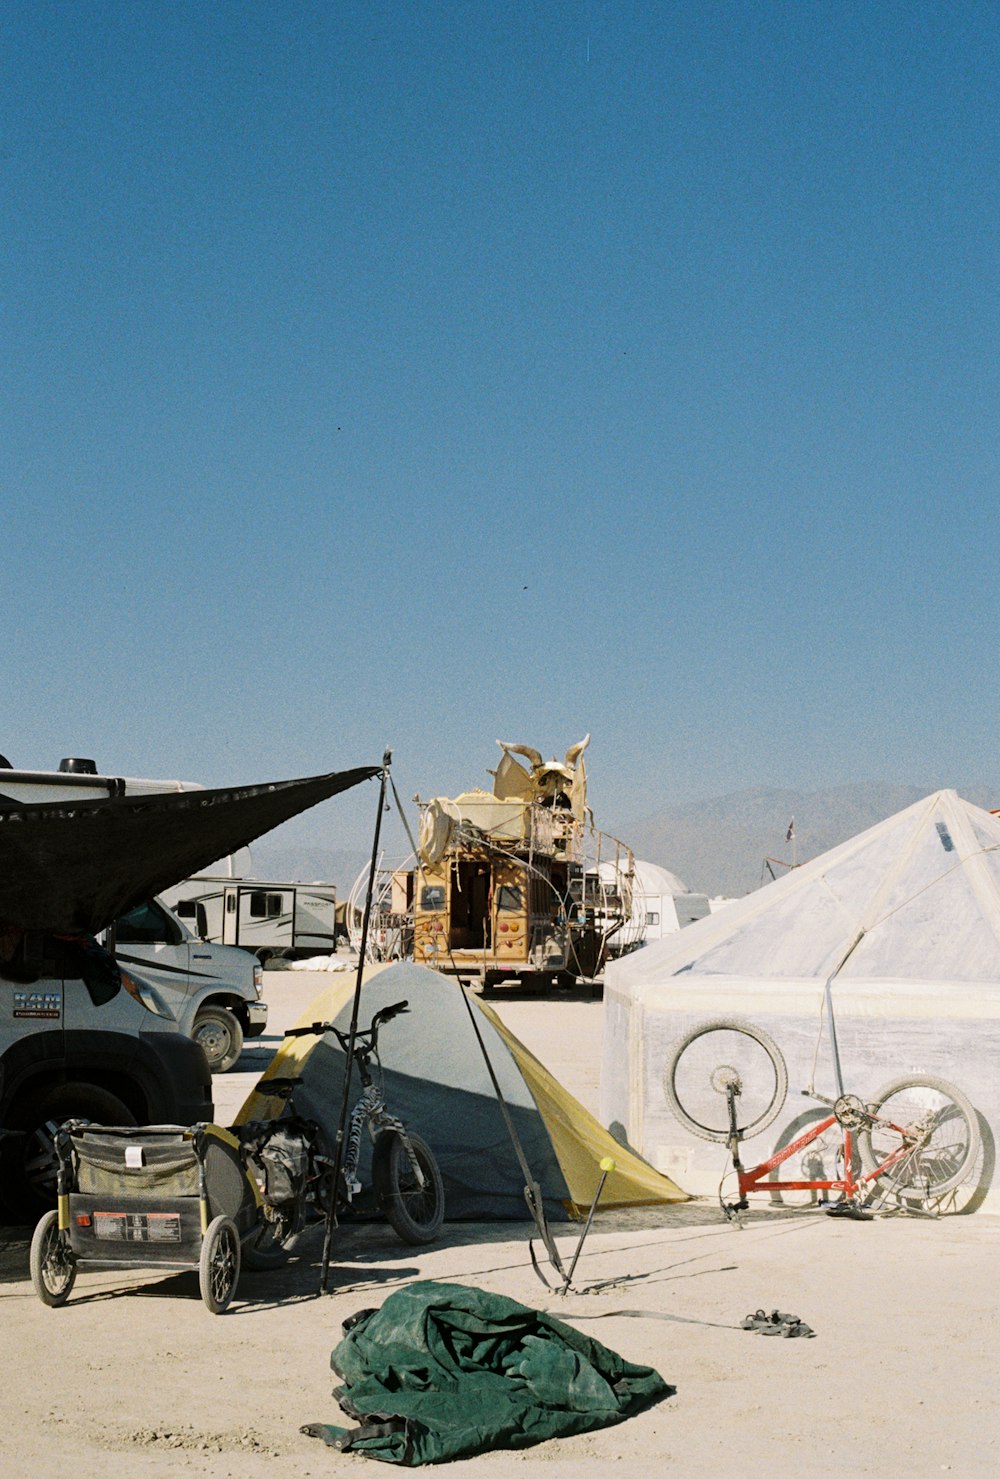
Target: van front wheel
[{"x": 218, "y": 1031}]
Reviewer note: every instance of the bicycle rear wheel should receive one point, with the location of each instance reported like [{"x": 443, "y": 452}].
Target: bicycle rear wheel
[
  {"x": 709, "y": 1058},
  {"x": 936, "y": 1128}
]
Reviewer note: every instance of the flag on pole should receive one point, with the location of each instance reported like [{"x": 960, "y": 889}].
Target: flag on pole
[{"x": 790, "y": 834}]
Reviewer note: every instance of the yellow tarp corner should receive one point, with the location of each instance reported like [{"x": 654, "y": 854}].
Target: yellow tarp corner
[{"x": 581, "y": 1142}]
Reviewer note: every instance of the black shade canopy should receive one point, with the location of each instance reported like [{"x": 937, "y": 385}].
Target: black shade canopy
[{"x": 78, "y": 865}]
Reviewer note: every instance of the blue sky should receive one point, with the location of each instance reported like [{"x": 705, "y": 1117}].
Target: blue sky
[{"x": 424, "y": 374}]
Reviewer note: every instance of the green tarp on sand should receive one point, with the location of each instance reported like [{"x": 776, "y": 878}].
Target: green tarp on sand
[{"x": 444, "y": 1371}]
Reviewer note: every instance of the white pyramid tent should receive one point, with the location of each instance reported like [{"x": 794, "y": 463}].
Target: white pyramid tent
[{"x": 904, "y": 920}]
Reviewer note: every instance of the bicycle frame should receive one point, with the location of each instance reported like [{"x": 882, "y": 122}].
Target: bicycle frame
[
  {"x": 849, "y": 1184},
  {"x": 371, "y": 1110}
]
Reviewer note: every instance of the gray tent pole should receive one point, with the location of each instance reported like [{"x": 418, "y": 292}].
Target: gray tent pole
[{"x": 338, "y": 1158}]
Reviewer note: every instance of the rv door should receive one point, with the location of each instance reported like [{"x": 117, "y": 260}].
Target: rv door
[{"x": 231, "y": 916}]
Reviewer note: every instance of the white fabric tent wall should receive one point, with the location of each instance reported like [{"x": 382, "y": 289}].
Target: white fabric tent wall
[{"x": 906, "y": 919}]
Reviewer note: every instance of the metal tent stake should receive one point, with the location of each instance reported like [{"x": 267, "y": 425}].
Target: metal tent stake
[{"x": 607, "y": 1166}]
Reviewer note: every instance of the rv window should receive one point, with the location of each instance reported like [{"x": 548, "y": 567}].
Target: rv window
[
  {"x": 510, "y": 896},
  {"x": 264, "y": 906},
  {"x": 432, "y": 896},
  {"x": 186, "y": 908},
  {"x": 652, "y": 919},
  {"x": 230, "y": 903}
]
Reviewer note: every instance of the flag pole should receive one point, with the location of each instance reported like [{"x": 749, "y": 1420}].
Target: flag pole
[{"x": 338, "y": 1157}]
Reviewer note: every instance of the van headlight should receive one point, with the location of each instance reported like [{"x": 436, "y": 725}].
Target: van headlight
[
  {"x": 258, "y": 979},
  {"x": 146, "y": 996}
]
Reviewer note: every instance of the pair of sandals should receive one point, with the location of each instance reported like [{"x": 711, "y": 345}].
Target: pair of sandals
[{"x": 776, "y": 1323}]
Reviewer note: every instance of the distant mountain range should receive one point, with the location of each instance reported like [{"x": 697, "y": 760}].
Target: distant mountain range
[
  {"x": 719, "y": 846},
  {"x": 716, "y": 846}
]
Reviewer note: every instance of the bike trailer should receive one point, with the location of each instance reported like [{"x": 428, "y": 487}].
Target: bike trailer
[{"x": 160, "y": 1196}]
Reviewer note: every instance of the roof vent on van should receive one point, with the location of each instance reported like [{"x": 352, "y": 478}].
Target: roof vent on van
[{"x": 76, "y": 765}]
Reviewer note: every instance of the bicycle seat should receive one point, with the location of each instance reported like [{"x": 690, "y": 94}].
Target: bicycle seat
[{"x": 278, "y": 1088}]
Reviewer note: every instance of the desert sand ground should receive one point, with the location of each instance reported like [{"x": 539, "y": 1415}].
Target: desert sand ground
[{"x": 134, "y": 1376}]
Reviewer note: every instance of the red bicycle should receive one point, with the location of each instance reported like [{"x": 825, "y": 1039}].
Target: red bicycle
[{"x": 904, "y": 1150}]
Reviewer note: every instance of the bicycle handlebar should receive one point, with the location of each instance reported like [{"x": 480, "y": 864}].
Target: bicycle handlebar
[
  {"x": 387, "y": 1013},
  {"x": 317, "y": 1029}
]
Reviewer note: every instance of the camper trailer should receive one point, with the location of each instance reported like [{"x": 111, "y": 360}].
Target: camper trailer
[
  {"x": 291, "y": 920},
  {"x": 508, "y": 885}
]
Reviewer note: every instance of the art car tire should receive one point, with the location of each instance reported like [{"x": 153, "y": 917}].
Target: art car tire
[
  {"x": 415, "y": 1213},
  {"x": 219, "y": 1265},
  {"x": 51, "y": 1261},
  {"x": 219, "y": 1033}
]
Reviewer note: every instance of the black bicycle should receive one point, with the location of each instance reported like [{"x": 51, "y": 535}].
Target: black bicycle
[{"x": 294, "y": 1161}]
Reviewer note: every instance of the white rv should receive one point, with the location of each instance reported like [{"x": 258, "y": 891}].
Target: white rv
[
  {"x": 292, "y": 920},
  {"x": 661, "y": 905},
  {"x": 80, "y": 778}
]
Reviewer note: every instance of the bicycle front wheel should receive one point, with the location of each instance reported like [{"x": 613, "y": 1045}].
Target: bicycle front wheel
[
  {"x": 415, "y": 1212},
  {"x": 714, "y": 1056},
  {"x": 930, "y": 1132}
]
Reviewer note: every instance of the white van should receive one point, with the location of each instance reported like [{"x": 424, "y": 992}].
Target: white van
[
  {"x": 73, "y": 1045},
  {"x": 68, "y": 1051},
  {"x": 213, "y": 991}
]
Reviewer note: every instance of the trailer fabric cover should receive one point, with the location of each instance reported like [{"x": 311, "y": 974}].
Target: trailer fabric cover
[
  {"x": 437, "y": 1083},
  {"x": 443, "y": 1371},
  {"x": 79, "y": 865}
]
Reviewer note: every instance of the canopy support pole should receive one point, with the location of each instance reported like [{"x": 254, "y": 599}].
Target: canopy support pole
[
  {"x": 338, "y": 1157},
  {"x": 532, "y": 1190}
]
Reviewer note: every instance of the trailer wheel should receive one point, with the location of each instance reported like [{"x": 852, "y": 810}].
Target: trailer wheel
[
  {"x": 53, "y": 1267},
  {"x": 219, "y": 1265},
  {"x": 218, "y": 1031}
]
